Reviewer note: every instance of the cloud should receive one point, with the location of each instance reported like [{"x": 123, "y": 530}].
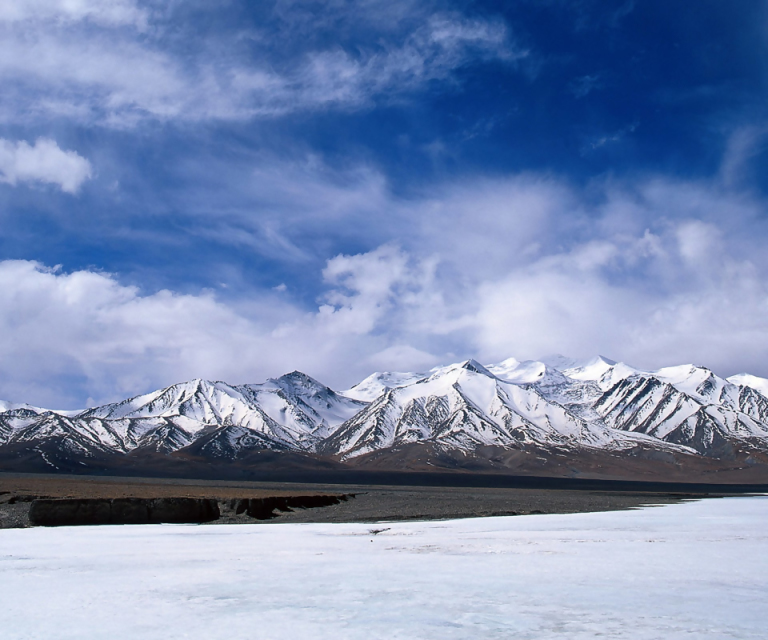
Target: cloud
[
  {"x": 697, "y": 241},
  {"x": 112, "y": 13},
  {"x": 581, "y": 303},
  {"x": 368, "y": 287},
  {"x": 661, "y": 272},
  {"x": 432, "y": 52},
  {"x": 742, "y": 146},
  {"x": 42, "y": 162},
  {"x": 499, "y": 222},
  {"x": 652, "y": 272},
  {"x": 69, "y": 336},
  {"x": 364, "y": 286},
  {"x": 609, "y": 139},
  {"x": 89, "y": 77},
  {"x": 258, "y": 207},
  {"x": 86, "y": 61},
  {"x": 527, "y": 264}
]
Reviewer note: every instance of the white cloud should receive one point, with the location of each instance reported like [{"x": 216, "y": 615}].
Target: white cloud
[
  {"x": 368, "y": 287},
  {"x": 42, "y": 162},
  {"x": 85, "y": 326},
  {"x": 83, "y": 334},
  {"x": 664, "y": 272},
  {"x": 97, "y": 76},
  {"x": 365, "y": 287},
  {"x": 69, "y": 60},
  {"x": 432, "y": 52},
  {"x": 114, "y": 12},
  {"x": 697, "y": 241},
  {"x": 529, "y": 265},
  {"x": 562, "y": 305},
  {"x": 653, "y": 272}
]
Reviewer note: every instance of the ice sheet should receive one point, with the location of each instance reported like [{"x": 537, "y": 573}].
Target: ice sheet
[{"x": 693, "y": 570}]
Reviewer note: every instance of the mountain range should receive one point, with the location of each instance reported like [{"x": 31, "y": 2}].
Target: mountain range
[{"x": 556, "y": 416}]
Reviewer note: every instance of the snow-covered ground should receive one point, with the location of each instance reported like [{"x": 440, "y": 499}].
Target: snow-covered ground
[{"x": 694, "y": 570}]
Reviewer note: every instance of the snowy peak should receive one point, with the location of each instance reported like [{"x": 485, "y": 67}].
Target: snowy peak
[
  {"x": 614, "y": 374},
  {"x": 512, "y": 370},
  {"x": 301, "y": 403},
  {"x": 753, "y": 382},
  {"x": 553, "y": 403},
  {"x": 688, "y": 405},
  {"x": 289, "y": 412},
  {"x": 377, "y": 383},
  {"x": 6, "y": 407},
  {"x": 299, "y": 384},
  {"x": 456, "y": 371},
  {"x": 197, "y": 398},
  {"x": 592, "y": 369},
  {"x": 476, "y": 367},
  {"x": 465, "y": 406},
  {"x": 599, "y": 370},
  {"x": 448, "y": 408},
  {"x": 697, "y": 382},
  {"x": 526, "y": 372},
  {"x": 11, "y": 406}
]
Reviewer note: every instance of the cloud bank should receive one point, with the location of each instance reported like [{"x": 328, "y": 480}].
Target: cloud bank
[
  {"x": 344, "y": 186},
  {"x": 654, "y": 273}
]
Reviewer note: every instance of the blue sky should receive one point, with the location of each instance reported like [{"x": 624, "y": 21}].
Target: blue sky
[{"x": 233, "y": 190}]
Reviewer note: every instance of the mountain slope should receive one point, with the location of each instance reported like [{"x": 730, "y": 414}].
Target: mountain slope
[
  {"x": 465, "y": 406},
  {"x": 460, "y": 413},
  {"x": 686, "y": 405}
]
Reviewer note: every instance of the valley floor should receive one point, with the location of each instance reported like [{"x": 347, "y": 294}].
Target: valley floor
[
  {"x": 370, "y": 503},
  {"x": 686, "y": 570}
]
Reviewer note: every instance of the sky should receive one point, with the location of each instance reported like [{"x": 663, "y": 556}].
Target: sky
[{"x": 232, "y": 190}]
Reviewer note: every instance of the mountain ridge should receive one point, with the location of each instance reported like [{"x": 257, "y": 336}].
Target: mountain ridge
[{"x": 596, "y": 407}]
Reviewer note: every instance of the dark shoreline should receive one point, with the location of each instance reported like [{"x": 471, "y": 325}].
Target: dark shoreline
[
  {"x": 407, "y": 478},
  {"x": 466, "y": 496}
]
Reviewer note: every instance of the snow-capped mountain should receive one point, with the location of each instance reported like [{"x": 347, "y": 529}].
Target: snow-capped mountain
[
  {"x": 289, "y": 413},
  {"x": 556, "y": 404},
  {"x": 464, "y": 406},
  {"x": 753, "y": 382},
  {"x": 377, "y": 383},
  {"x": 688, "y": 405}
]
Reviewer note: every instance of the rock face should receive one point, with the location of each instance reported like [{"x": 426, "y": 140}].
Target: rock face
[
  {"x": 68, "y": 512},
  {"x": 264, "y": 508},
  {"x": 58, "y": 512},
  {"x": 556, "y": 406}
]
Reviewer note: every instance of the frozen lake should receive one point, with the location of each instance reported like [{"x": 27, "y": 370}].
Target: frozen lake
[{"x": 693, "y": 570}]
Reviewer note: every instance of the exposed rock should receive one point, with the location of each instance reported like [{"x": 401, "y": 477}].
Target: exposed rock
[
  {"x": 264, "y": 508},
  {"x": 64, "y": 512}
]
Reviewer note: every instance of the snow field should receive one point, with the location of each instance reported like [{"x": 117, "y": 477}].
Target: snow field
[{"x": 693, "y": 570}]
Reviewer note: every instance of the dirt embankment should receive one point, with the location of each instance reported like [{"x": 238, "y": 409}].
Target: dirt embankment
[
  {"x": 67, "y": 512},
  {"x": 87, "y": 511},
  {"x": 68, "y": 501},
  {"x": 103, "y": 500}
]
